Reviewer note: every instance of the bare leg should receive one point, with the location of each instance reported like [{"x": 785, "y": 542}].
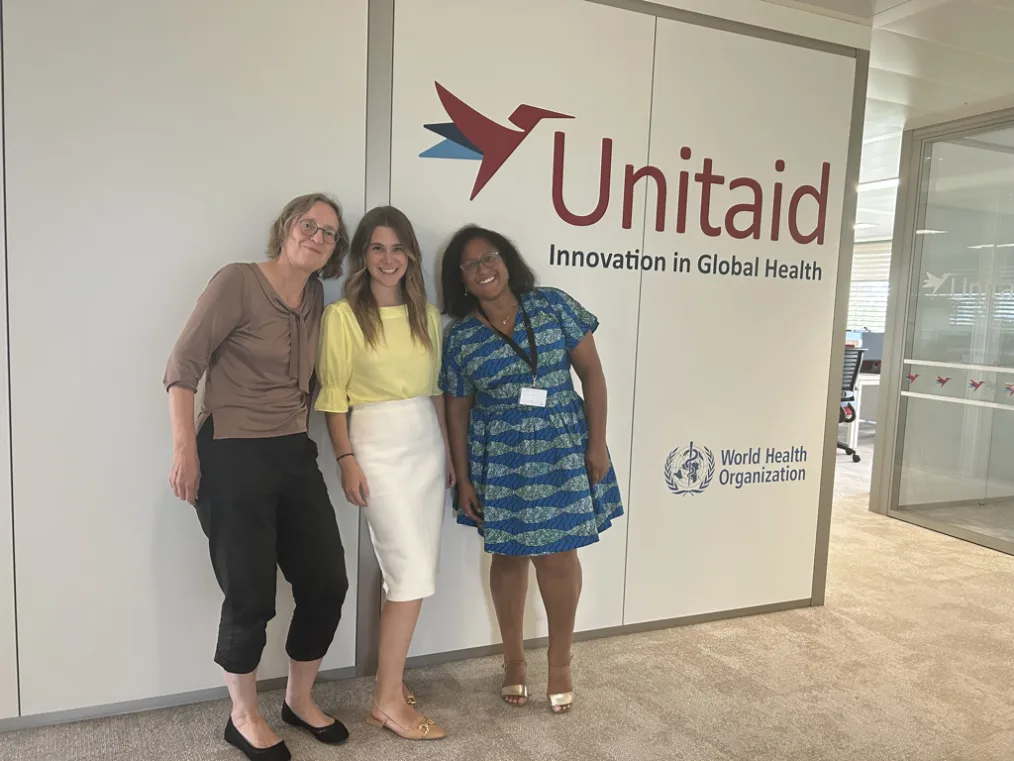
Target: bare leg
[
  {"x": 246, "y": 715},
  {"x": 397, "y": 624},
  {"x": 559, "y": 578},
  {"x": 508, "y": 583},
  {"x": 302, "y": 675}
]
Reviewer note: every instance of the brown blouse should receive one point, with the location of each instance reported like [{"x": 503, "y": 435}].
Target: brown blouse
[{"x": 258, "y": 354}]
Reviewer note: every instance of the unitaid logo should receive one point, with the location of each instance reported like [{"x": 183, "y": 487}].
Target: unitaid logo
[{"x": 741, "y": 207}]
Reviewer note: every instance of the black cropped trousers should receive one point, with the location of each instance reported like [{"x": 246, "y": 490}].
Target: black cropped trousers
[{"x": 263, "y": 505}]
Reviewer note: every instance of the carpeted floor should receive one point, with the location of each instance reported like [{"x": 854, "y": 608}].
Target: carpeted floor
[{"x": 911, "y": 658}]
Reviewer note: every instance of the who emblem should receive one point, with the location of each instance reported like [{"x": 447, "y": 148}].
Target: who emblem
[{"x": 689, "y": 469}]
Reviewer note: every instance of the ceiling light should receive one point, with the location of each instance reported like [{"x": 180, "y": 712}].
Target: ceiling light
[
  {"x": 930, "y": 232},
  {"x": 878, "y": 184},
  {"x": 881, "y": 138},
  {"x": 981, "y": 245},
  {"x": 1005, "y": 245}
]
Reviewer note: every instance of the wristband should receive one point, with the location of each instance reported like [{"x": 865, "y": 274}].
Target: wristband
[{"x": 347, "y": 454}]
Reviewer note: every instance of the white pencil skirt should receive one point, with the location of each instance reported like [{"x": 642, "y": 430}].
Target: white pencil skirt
[{"x": 401, "y": 451}]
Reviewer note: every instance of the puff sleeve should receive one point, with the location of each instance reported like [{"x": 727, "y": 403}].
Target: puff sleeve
[{"x": 334, "y": 360}]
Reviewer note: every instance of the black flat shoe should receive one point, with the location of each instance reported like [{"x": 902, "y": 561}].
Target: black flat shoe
[
  {"x": 333, "y": 734},
  {"x": 235, "y": 738}
]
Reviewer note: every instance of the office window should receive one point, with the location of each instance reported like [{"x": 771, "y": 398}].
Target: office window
[{"x": 871, "y": 271}]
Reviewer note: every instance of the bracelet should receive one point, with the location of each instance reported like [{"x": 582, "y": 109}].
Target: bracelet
[{"x": 347, "y": 454}]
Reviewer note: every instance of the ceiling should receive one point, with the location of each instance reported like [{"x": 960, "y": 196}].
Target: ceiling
[{"x": 926, "y": 56}]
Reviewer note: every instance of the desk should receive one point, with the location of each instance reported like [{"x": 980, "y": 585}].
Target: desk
[{"x": 864, "y": 381}]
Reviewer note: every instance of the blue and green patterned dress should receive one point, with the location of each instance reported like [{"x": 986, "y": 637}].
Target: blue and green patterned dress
[{"x": 527, "y": 464}]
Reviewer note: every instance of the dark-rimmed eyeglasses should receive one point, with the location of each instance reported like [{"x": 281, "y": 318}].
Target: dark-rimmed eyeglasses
[
  {"x": 489, "y": 259},
  {"x": 309, "y": 228}
]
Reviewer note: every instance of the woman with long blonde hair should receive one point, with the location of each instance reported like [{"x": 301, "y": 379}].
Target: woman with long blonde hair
[{"x": 379, "y": 364}]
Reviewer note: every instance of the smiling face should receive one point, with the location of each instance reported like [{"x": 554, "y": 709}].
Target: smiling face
[
  {"x": 483, "y": 270},
  {"x": 311, "y": 238},
  {"x": 386, "y": 257}
]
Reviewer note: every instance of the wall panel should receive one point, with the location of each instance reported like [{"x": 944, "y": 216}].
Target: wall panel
[
  {"x": 604, "y": 84},
  {"x": 8, "y": 625},
  {"x": 148, "y": 144},
  {"x": 735, "y": 338}
]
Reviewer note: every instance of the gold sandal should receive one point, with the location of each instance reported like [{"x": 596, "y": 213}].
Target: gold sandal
[
  {"x": 427, "y": 729},
  {"x": 514, "y": 690},
  {"x": 409, "y": 695},
  {"x": 561, "y": 702}
]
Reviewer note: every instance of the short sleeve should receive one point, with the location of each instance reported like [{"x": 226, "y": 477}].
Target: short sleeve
[
  {"x": 453, "y": 380},
  {"x": 435, "y": 326},
  {"x": 218, "y": 312},
  {"x": 334, "y": 360},
  {"x": 576, "y": 321}
]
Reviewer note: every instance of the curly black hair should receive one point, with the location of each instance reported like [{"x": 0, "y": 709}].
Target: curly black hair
[{"x": 457, "y": 301}]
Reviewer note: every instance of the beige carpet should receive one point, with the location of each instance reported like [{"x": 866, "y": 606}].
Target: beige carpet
[{"x": 911, "y": 658}]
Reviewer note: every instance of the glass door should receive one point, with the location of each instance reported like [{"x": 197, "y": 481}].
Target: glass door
[{"x": 955, "y": 440}]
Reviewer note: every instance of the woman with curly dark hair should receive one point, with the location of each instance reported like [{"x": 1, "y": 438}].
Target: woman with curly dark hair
[{"x": 530, "y": 454}]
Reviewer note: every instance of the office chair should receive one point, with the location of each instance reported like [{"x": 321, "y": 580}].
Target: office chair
[{"x": 847, "y": 412}]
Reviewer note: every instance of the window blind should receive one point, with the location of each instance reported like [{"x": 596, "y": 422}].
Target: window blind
[{"x": 871, "y": 272}]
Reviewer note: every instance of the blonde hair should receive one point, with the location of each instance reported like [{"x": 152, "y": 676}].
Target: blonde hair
[
  {"x": 294, "y": 209},
  {"x": 357, "y": 287}
]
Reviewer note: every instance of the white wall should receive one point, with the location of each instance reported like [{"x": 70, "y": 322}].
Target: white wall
[
  {"x": 147, "y": 145},
  {"x": 606, "y": 83},
  {"x": 778, "y": 16},
  {"x": 696, "y": 342},
  {"x": 8, "y": 627},
  {"x": 706, "y": 371}
]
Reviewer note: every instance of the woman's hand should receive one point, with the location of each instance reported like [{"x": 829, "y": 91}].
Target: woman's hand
[
  {"x": 185, "y": 474},
  {"x": 354, "y": 481},
  {"x": 452, "y": 478},
  {"x": 468, "y": 501},
  {"x": 596, "y": 459}
]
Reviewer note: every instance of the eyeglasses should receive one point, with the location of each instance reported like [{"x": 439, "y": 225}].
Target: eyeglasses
[
  {"x": 489, "y": 259},
  {"x": 309, "y": 228}
]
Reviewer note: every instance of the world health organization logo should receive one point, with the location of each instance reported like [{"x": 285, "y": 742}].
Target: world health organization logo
[{"x": 689, "y": 470}]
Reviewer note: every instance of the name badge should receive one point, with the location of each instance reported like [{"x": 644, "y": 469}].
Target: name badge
[{"x": 533, "y": 397}]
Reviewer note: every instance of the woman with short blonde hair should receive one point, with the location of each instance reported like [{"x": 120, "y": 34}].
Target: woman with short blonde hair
[{"x": 250, "y": 469}]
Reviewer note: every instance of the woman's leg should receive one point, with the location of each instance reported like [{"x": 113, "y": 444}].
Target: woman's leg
[
  {"x": 397, "y": 624},
  {"x": 508, "y": 584},
  {"x": 312, "y": 558},
  {"x": 236, "y": 506},
  {"x": 246, "y": 714},
  {"x": 559, "y": 578}
]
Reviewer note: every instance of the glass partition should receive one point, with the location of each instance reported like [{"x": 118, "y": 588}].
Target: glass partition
[{"x": 955, "y": 438}]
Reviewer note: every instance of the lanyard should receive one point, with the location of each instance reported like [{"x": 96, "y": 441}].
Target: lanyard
[{"x": 532, "y": 360}]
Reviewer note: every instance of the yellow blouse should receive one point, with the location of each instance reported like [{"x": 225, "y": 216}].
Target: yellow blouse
[{"x": 398, "y": 367}]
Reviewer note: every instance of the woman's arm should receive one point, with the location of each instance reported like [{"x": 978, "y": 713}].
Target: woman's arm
[
  {"x": 353, "y": 479},
  {"x": 458, "y": 410},
  {"x": 218, "y": 311},
  {"x": 585, "y": 359},
  {"x": 441, "y": 407},
  {"x": 185, "y": 474}
]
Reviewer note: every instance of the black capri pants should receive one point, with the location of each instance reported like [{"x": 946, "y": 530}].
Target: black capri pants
[{"x": 262, "y": 503}]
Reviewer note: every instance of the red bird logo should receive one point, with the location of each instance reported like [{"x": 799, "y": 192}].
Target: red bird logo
[
  {"x": 974, "y": 385},
  {"x": 943, "y": 381},
  {"x": 470, "y": 135},
  {"x": 912, "y": 377}
]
